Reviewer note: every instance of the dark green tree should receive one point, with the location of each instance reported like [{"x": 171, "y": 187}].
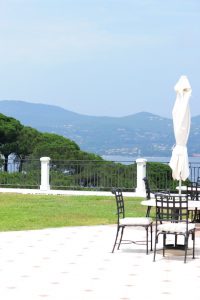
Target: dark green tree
[
  {"x": 10, "y": 129},
  {"x": 55, "y": 146},
  {"x": 26, "y": 143}
]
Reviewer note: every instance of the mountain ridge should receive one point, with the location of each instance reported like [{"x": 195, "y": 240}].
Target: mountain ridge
[{"x": 141, "y": 133}]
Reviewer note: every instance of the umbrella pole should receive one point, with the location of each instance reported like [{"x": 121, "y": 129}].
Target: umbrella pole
[{"x": 179, "y": 187}]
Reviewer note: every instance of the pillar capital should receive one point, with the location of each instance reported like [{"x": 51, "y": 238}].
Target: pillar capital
[
  {"x": 141, "y": 161},
  {"x": 45, "y": 159}
]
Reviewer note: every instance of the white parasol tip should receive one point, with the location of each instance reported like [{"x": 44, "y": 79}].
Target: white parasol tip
[{"x": 182, "y": 84}]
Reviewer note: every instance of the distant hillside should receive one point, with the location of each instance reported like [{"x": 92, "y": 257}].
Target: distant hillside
[{"x": 142, "y": 133}]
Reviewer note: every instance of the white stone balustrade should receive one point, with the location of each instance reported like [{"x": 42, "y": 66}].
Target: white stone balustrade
[
  {"x": 141, "y": 173},
  {"x": 45, "y": 173}
]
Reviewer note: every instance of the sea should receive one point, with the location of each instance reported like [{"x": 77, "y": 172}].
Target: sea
[{"x": 130, "y": 159}]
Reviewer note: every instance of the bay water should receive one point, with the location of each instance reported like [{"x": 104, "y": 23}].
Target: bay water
[{"x": 131, "y": 159}]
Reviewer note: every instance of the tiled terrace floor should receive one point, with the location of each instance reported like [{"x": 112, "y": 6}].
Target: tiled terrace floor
[{"x": 76, "y": 263}]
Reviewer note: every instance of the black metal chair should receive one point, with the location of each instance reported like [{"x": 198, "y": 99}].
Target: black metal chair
[
  {"x": 191, "y": 190},
  {"x": 123, "y": 222},
  {"x": 193, "y": 193},
  {"x": 148, "y": 194},
  {"x": 147, "y": 188},
  {"x": 172, "y": 217}
]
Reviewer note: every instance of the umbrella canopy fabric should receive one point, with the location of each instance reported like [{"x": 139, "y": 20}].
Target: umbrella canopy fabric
[{"x": 181, "y": 121}]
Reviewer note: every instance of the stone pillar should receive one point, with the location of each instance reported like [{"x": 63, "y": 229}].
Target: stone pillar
[
  {"x": 45, "y": 173},
  {"x": 141, "y": 173}
]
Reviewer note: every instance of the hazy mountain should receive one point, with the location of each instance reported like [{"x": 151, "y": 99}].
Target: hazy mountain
[{"x": 143, "y": 133}]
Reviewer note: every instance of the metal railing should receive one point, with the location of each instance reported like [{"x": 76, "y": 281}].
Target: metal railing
[
  {"x": 20, "y": 174},
  {"x": 194, "y": 171},
  {"x": 92, "y": 175},
  {"x": 70, "y": 175},
  {"x": 89, "y": 175},
  {"x": 161, "y": 178}
]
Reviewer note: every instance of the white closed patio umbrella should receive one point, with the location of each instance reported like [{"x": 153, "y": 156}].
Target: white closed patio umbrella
[{"x": 181, "y": 122}]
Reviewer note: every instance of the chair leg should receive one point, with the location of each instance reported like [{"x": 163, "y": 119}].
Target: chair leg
[
  {"x": 175, "y": 240},
  {"x": 148, "y": 211},
  {"x": 118, "y": 228},
  {"x": 193, "y": 238},
  {"x": 151, "y": 229},
  {"x": 147, "y": 239},
  {"x": 164, "y": 243},
  {"x": 186, "y": 247},
  {"x": 156, "y": 240},
  {"x": 122, "y": 231}
]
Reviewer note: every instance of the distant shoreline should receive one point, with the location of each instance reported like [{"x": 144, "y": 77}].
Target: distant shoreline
[{"x": 128, "y": 159}]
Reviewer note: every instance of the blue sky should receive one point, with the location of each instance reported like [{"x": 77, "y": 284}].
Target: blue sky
[{"x": 100, "y": 57}]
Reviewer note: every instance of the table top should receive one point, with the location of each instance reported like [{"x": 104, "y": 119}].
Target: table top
[
  {"x": 185, "y": 188},
  {"x": 191, "y": 203}
]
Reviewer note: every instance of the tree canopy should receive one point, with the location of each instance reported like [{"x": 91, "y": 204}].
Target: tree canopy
[
  {"x": 10, "y": 129},
  {"x": 54, "y": 146},
  {"x": 27, "y": 142}
]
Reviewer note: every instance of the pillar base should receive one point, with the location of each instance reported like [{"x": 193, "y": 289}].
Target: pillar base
[
  {"x": 140, "y": 193},
  {"x": 44, "y": 187}
]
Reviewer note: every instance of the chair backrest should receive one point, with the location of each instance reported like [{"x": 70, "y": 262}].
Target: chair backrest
[
  {"x": 171, "y": 208},
  {"x": 119, "y": 202},
  {"x": 192, "y": 191},
  {"x": 147, "y": 187}
]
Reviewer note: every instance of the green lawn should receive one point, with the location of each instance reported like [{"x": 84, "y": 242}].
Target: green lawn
[{"x": 19, "y": 212}]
